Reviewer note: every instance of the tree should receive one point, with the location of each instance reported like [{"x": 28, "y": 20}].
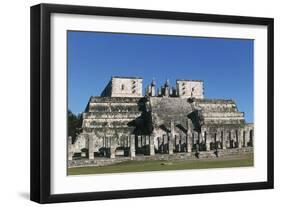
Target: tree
[{"x": 74, "y": 124}]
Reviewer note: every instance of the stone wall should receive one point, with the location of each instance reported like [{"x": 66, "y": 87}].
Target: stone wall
[
  {"x": 190, "y": 89},
  {"x": 218, "y": 111},
  {"x": 165, "y": 157},
  {"x": 108, "y": 123},
  {"x": 157, "y": 125},
  {"x": 123, "y": 87}
]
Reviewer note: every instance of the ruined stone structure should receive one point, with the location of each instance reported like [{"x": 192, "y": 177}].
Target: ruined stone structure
[{"x": 122, "y": 123}]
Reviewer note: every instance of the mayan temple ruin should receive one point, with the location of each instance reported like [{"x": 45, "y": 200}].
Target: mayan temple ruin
[{"x": 167, "y": 122}]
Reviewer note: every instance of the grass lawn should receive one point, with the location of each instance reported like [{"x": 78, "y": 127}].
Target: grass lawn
[{"x": 157, "y": 165}]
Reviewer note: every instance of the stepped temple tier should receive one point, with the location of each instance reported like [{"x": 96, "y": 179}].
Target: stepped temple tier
[{"x": 167, "y": 122}]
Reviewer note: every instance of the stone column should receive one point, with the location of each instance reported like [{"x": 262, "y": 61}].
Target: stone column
[
  {"x": 247, "y": 137},
  {"x": 196, "y": 137},
  {"x": 233, "y": 138},
  {"x": 223, "y": 139},
  {"x": 147, "y": 142},
  {"x": 172, "y": 137},
  {"x": 172, "y": 126},
  {"x": 188, "y": 138},
  {"x": 208, "y": 141},
  {"x": 151, "y": 144},
  {"x": 91, "y": 148},
  {"x": 112, "y": 149},
  {"x": 139, "y": 141},
  {"x": 69, "y": 148},
  {"x": 132, "y": 146},
  {"x": 112, "y": 152},
  {"x": 243, "y": 138},
  {"x": 170, "y": 143},
  {"x": 189, "y": 141},
  {"x": 252, "y": 144},
  {"x": 228, "y": 138},
  {"x": 240, "y": 138}
]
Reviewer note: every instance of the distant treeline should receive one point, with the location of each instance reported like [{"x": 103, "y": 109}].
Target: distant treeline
[{"x": 74, "y": 124}]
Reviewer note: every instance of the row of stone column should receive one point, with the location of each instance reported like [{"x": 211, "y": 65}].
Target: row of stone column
[
  {"x": 171, "y": 142},
  {"x": 228, "y": 138},
  {"x": 146, "y": 141},
  {"x": 129, "y": 142},
  {"x": 168, "y": 143}
]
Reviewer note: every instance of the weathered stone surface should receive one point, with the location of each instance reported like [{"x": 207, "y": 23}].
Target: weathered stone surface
[
  {"x": 123, "y": 87},
  {"x": 190, "y": 88},
  {"x": 132, "y": 146},
  {"x": 124, "y": 124}
]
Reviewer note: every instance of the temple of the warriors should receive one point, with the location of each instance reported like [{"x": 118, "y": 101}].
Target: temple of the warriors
[{"x": 172, "y": 121}]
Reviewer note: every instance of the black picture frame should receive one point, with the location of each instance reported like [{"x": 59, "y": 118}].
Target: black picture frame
[{"x": 41, "y": 95}]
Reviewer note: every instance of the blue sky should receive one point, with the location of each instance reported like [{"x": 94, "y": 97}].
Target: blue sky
[{"x": 225, "y": 65}]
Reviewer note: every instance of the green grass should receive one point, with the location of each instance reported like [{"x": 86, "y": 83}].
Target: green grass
[{"x": 158, "y": 165}]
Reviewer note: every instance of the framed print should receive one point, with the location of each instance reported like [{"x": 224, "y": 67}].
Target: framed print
[{"x": 132, "y": 103}]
